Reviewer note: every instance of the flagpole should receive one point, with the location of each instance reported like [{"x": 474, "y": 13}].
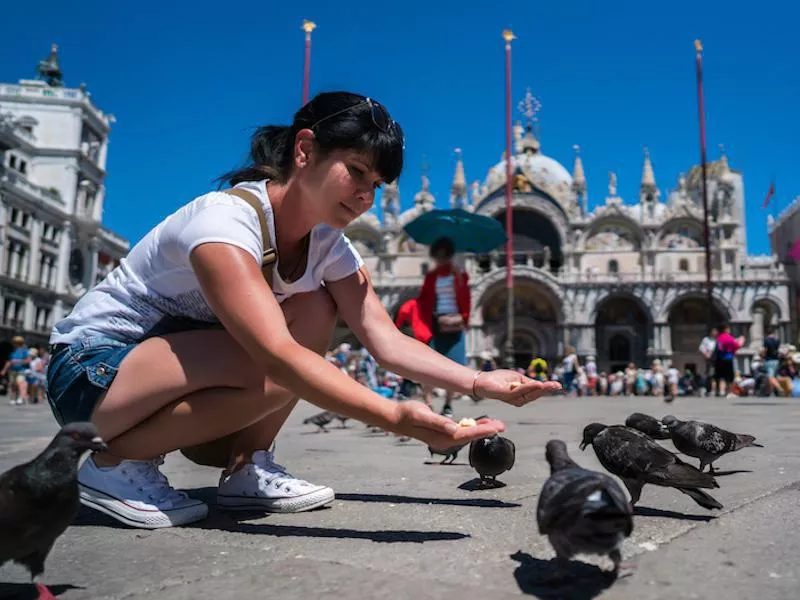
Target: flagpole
[
  {"x": 706, "y": 233},
  {"x": 508, "y": 349},
  {"x": 308, "y": 27}
]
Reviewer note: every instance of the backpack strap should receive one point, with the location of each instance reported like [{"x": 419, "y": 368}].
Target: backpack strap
[{"x": 270, "y": 253}]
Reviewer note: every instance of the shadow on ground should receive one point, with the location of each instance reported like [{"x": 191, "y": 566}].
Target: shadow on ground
[
  {"x": 645, "y": 511},
  {"x": 235, "y": 522},
  {"x": 581, "y": 581},
  {"x": 392, "y": 499},
  {"x": 27, "y": 591}
]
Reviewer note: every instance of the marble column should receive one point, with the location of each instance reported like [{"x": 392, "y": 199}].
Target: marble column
[
  {"x": 36, "y": 238},
  {"x": 757, "y": 328},
  {"x": 93, "y": 259},
  {"x": 64, "y": 249}
]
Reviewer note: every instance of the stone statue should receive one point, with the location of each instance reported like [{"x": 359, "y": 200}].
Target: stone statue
[
  {"x": 521, "y": 184},
  {"x": 548, "y": 256},
  {"x": 612, "y": 184}
]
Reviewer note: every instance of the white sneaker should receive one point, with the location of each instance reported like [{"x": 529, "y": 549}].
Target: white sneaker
[
  {"x": 265, "y": 485},
  {"x": 136, "y": 493}
]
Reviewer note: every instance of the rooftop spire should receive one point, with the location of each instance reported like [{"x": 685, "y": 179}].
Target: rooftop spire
[
  {"x": 578, "y": 176},
  {"x": 529, "y": 106},
  {"x": 648, "y": 177},
  {"x": 458, "y": 190},
  {"x": 49, "y": 68}
]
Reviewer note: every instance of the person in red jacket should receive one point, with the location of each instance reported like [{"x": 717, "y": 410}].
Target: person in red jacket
[{"x": 444, "y": 304}]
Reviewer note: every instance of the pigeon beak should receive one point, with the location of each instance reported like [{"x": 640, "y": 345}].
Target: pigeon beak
[
  {"x": 98, "y": 445},
  {"x": 583, "y": 446}
]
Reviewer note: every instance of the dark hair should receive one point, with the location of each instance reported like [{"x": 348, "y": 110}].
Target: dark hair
[
  {"x": 340, "y": 121},
  {"x": 723, "y": 327},
  {"x": 443, "y": 245}
]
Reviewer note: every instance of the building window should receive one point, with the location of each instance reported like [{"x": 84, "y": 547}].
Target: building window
[
  {"x": 683, "y": 265},
  {"x": 23, "y": 167},
  {"x": 613, "y": 266}
]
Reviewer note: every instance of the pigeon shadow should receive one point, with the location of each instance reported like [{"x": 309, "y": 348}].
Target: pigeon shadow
[
  {"x": 388, "y": 536},
  {"x": 759, "y": 404},
  {"x": 581, "y": 581},
  {"x": 27, "y": 591},
  {"x": 392, "y": 499},
  {"x": 478, "y": 484},
  {"x": 733, "y": 472},
  {"x": 645, "y": 511},
  {"x": 436, "y": 463},
  {"x": 318, "y": 431}
]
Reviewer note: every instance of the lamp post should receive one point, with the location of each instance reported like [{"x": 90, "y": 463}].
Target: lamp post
[
  {"x": 706, "y": 232},
  {"x": 508, "y": 348},
  {"x": 308, "y": 27}
]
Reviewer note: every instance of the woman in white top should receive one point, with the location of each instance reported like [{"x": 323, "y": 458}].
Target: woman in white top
[{"x": 185, "y": 344}]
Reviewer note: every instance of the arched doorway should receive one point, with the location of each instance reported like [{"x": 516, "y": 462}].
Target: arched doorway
[
  {"x": 622, "y": 333},
  {"x": 688, "y": 324},
  {"x": 536, "y": 316},
  {"x": 536, "y": 241}
]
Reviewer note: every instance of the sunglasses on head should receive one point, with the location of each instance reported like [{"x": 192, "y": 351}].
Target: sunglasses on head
[{"x": 380, "y": 116}]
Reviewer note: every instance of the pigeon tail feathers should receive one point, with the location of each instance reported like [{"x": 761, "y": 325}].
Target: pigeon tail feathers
[{"x": 702, "y": 498}]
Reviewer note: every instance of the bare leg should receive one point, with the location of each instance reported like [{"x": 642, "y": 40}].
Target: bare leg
[{"x": 192, "y": 387}]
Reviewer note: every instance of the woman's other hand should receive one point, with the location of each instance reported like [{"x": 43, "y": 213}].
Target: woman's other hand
[{"x": 512, "y": 387}]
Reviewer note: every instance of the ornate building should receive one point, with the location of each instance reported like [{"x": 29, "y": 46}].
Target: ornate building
[
  {"x": 624, "y": 282},
  {"x": 53, "y": 246}
]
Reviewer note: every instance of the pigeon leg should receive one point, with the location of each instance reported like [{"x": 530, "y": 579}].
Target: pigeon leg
[
  {"x": 44, "y": 593},
  {"x": 635, "y": 490},
  {"x": 444, "y": 460}
]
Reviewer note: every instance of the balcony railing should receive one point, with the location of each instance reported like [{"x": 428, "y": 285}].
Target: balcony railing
[
  {"x": 478, "y": 266},
  {"x": 14, "y": 179},
  {"x": 112, "y": 238},
  {"x": 42, "y": 91}
]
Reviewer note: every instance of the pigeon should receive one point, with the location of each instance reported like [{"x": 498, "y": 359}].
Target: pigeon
[
  {"x": 491, "y": 456},
  {"x": 342, "y": 420},
  {"x": 649, "y": 425},
  {"x": 705, "y": 441},
  {"x": 636, "y": 459},
  {"x": 39, "y": 499},
  {"x": 320, "y": 420},
  {"x": 582, "y": 511},
  {"x": 451, "y": 453}
]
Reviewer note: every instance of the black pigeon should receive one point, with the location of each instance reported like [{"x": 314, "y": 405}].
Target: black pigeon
[
  {"x": 491, "y": 456},
  {"x": 705, "y": 441},
  {"x": 39, "y": 499},
  {"x": 636, "y": 459},
  {"x": 582, "y": 511},
  {"x": 648, "y": 425},
  {"x": 320, "y": 420},
  {"x": 451, "y": 453}
]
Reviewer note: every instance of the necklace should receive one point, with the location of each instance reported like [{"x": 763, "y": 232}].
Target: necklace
[{"x": 292, "y": 274}]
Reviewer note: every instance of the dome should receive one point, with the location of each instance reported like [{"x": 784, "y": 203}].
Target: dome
[{"x": 545, "y": 173}]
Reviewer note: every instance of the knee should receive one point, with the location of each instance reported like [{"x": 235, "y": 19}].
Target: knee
[{"x": 311, "y": 318}]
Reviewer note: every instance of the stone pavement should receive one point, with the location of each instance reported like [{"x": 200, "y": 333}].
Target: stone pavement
[{"x": 403, "y": 528}]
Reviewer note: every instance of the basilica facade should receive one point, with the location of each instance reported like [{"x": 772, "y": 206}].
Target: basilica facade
[{"x": 624, "y": 282}]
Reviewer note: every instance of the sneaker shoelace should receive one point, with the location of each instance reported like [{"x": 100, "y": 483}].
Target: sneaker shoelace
[
  {"x": 270, "y": 472},
  {"x": 153, "y": 482}
]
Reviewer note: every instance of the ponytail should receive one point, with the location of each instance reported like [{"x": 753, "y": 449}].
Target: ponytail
[{"x": 270, "y": 156}]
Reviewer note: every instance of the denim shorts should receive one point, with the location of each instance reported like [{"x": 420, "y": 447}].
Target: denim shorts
[{"x": 81, "y": 372}]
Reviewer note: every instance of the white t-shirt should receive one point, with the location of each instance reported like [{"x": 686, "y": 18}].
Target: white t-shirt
[{"x": 154, "y": 289}]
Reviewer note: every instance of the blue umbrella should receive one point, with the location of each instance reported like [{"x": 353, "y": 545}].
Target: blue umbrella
[{"x": 468, "y": 232}]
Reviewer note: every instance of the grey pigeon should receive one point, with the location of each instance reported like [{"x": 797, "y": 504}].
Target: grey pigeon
[
  {"x": 342, "y": 420},
  {"x": 491, "y": 456},
  {"x": 648, "y": 425},
  {"x": 320, "y": 420},
  {"x": 705, "y": 441},
  {"x": 448, "y": 453},
  {"x": 637, "y": 460},
  {"x": 582, "y": 511},
  {"x": 39, "y": 499}
]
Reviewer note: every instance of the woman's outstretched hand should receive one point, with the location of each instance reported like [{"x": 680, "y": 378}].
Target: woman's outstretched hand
[
  {"x": 417, "y": 420},
  {"x": 513, "y": 388}
]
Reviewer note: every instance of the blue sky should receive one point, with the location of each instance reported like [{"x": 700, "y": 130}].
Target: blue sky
[{"x": 189, "y": 81}]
